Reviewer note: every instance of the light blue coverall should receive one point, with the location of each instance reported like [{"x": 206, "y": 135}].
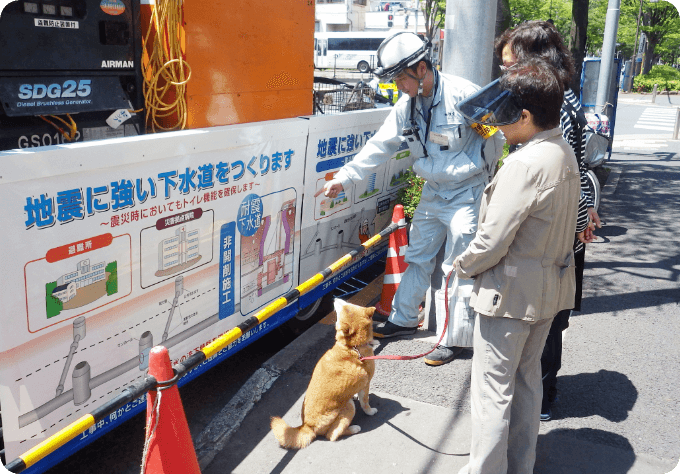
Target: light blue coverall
[{"x": 457, "y": 166}]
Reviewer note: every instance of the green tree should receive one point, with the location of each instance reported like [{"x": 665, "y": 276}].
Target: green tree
[
  {"x": 658, "y": 21},
  {"x": 53, "y": 306},
  {"x": 597, "y": 14},
  {"x": 112, "y": 280},
  {"x": 578, "y": 36},
  {"x": 503, "y": 22},
  {"x": 409, "y": 195},
  {"x": 559, "y": 11},
  {"x": 434, "y": 11},
  {"x": 571, "y": 18}
]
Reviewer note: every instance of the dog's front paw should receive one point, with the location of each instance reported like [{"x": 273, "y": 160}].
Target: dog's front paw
[
  {"x": 371, "y": 411},
  {"x": 354, "y": 429}
]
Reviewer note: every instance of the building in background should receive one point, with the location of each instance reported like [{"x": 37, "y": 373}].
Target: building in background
[{"x": 367, "y": 15}]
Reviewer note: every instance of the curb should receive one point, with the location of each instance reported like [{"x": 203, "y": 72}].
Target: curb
[
  {"x": 609, "y": 187},
  {"x": 215, "y": 436}
]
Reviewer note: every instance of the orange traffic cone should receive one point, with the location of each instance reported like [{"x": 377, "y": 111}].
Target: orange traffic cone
[
  {"x": 168, "y": 448},
  {"x": 395, "y": 266}
]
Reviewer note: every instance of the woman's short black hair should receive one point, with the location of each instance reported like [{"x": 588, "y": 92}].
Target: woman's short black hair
[
  {"x": 538, "y": 39},
  {"x": 536, "y": 87}
]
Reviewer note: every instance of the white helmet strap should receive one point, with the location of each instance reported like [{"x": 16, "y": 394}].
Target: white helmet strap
[{"x": 420, "y": 81}]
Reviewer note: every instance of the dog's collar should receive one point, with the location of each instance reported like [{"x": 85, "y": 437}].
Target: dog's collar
[{"x": 356, "y": 349}]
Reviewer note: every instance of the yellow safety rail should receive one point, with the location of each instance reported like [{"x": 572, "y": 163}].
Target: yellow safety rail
[{"x": 136, "y": 390}]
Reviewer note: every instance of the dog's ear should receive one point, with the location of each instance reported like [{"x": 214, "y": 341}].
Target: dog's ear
[
  {"x": 370, "y": 311},
  {"x": 343, "y": 326},
  {"x": 349, "y": 330},
  {"x": 338, "y": 305}
]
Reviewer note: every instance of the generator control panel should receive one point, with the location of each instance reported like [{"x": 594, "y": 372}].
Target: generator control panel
[{"x": 76, "y": 57}]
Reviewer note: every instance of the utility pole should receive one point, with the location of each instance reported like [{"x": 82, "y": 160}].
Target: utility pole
[
  {"x": 607, "y": 62},
  {"x": 468, "y": 39}
]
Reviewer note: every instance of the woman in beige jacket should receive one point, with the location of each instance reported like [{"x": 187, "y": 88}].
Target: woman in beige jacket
[{"x": 522, "y": 262}]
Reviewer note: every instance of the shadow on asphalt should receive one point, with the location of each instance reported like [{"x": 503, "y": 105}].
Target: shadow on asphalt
[
  {"x": 607, "y": 231},
  {"x": 605, "y": 393},
  {"x": 633, "y": 300},
  {"x": 555, "y": 452}
]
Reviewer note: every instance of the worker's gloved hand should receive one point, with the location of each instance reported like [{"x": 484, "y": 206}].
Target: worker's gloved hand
[{"x": 331, "y": 189}]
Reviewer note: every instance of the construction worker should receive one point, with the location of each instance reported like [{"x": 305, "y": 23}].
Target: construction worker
[{"x": 456, "y": 161}]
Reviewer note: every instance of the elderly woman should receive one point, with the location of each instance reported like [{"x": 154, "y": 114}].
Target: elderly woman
[{"x": 522, "y": 262}]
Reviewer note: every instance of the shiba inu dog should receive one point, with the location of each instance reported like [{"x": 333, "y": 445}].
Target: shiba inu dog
[{"x": 328, "y": 407}]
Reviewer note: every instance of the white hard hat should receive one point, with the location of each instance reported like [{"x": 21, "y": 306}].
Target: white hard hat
[{"x": 398, "y": 52}]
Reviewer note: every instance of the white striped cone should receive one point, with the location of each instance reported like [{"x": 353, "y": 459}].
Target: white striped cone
[{"x": 395, "y": 266}]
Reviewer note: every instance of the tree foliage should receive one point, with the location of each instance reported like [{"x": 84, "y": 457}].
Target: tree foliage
[
  {"x": 559, "y": 11},
  {"x": 53, "y": 305},
  {"x": 434, "y": 11},
  {"x": 659, "y": 21}
]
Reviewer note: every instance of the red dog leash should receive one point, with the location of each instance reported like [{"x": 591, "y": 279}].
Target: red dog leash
[{"x": 446, "y": 323}]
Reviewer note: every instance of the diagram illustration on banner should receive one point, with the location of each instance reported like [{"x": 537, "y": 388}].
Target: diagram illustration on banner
[
  {"x": 397, "y": 167},
  {"x": 82, "y": 277},
  {"x": 326, "y": 206},
  {"x": 176, "y": 244},
  {"x": 86, "y": 284},
  {"x": 267, "y": 230}
]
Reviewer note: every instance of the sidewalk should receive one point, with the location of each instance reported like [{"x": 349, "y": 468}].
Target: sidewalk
[
  {"x": 423, "y": 419},
  {"x": 662, "y": 99}
]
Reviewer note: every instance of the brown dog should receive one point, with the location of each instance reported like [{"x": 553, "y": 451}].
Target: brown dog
[{"x": 328, "y": 407}]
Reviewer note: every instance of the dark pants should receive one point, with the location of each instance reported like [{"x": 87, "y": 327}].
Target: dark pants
[{"x": 551, "y": 359}]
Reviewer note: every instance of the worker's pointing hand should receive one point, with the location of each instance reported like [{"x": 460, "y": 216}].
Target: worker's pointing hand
[{"x": 331, "y": 189}]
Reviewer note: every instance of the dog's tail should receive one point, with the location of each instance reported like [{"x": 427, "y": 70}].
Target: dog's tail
[{"x": 292, "y": 438}]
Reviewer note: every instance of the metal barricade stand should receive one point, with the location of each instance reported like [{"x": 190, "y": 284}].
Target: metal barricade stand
[{"x": 149, "y": 383}]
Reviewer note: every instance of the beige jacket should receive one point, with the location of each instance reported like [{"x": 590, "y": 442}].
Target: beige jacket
[{"x": 521, "y": 257}]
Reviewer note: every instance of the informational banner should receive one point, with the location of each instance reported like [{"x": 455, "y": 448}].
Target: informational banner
[
  {"x": 332, "y": 227},
  {"x": 114, "y": 246}
]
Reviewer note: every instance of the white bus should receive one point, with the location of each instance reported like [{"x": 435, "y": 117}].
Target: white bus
[{"x": 347, "y": 50}]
